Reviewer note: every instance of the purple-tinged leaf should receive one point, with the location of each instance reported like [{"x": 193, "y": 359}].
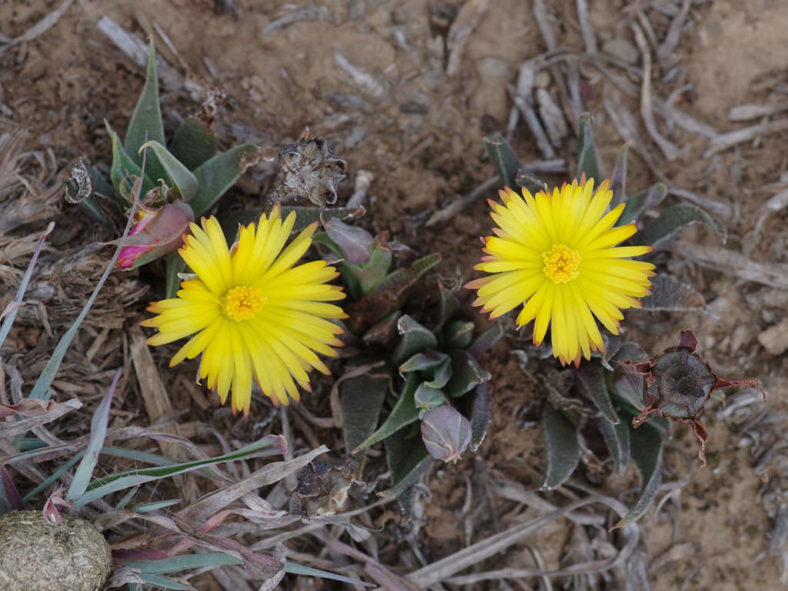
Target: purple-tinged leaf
[{"x": 446, "y": 433}]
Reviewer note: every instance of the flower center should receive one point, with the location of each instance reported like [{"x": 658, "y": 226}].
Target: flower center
[
  {"x": 242, "y": 303},
  {"x": 561, "y": 263}
]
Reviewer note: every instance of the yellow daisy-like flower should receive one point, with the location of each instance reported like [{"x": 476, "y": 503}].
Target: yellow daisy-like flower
[
  {"x": 252, "y": 313},
  {"x": 556, "y": 254}
]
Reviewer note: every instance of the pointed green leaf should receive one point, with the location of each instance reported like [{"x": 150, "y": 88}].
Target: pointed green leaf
[
  {"x": 125, "y": 171},
  {"x": 407, "y": 459},
  {"x": 587, "y": 160},
  {"x": 530, "y": 182},
  {"x": 423, "y": 361},
  {"x": 562, "y": 450},
  {"x": 503, "y": 158},
  {"x": 641, "y": 202},
  {"x": 672, "y": 220},
  {"x": 617, "y": 441},
  {"x": 459, "y": 334},
  {"x": 193, "y": 144},
  {"x": 427, "y": 397},
  {"x": 219, "y": 173},
  {"x": 485, "y": 341},
  {"x": 173, "y": 266},
  {"x": 178, "y": 175},
  {"x": 403, "y": 413},
  {"x": 440, "y": 375},
  {"x": 466, "y": 374},
  {"x": 618, "y": 178},
  {"x": 415, "y": 338},
  {"x": 449, "y": 305},
  {"x": 646, "y": 442},
  {"x": 670, "y": 294},
  {"x": 297, "y": 569},
  {"x": 145, "y": 124},
  {"x": 480, "y": 416},
  {"x": 590, "y": 380},
  {"x": 361, "y": 400}
]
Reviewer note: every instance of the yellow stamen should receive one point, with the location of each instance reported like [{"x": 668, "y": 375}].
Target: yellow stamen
[
  {"x": 243, "y": 303},
  {"x": 561, "y": 263}
]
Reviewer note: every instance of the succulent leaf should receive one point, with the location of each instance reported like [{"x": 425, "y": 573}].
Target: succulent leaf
[
  {"x": 361, "y": 399},
  {"x": 480, "y": 416},
  {"x": 590, "y": 380},
  {"x": 618, "y": 178},
  {"x": 616, "y": 438},
  {"x": 404, "y": 413},
  {"x": 670, "y": 294},
  {"x": 415, "y": 338},
  {"x": 125, "y": 171},
  {"x": 641, "y": 202},
  {"x": 673, "y": 219},
  {"x": 587, "y": 160},
  {"x": 194, "y": 143},
  {"x": 503, "y": 158},
  {"x": 466, "y": 373},
  {"x": 177, "y": 173},
  {"x": 562, "y": 449},
  {"x": 219, "y": 173},
  {"x": 646, "y": 446}
]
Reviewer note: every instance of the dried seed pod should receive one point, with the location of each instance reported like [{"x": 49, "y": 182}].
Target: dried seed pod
[{"x": 678, "y": 384}]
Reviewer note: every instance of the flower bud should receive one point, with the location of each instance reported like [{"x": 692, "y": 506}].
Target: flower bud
[
  {"x": 446, "y": 433},
  {"x": 158, "y": 233}
]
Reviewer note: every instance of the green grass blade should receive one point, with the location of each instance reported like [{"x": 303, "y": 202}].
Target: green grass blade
[
  {"x": 182, "y": 563},
  {"x": 297, "y": 569},
  {"x": 150, "y": 507},
  {"x": 98, "y": 431},
  {"x": 54, "y": 477}
]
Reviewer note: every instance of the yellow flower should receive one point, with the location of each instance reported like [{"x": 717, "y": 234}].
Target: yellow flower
[
  {"x": 556, "y": 254},
  {"x": 252, "y": 314}
]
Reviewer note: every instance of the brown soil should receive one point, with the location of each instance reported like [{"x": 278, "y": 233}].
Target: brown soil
[{"x": 417, "y": 127}]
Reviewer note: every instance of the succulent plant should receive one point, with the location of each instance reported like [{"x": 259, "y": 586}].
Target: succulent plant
[
  {"x": 610, "y": 392},
  {"x": 181, "y": 181},
  {"x": 428, "y": 377}
]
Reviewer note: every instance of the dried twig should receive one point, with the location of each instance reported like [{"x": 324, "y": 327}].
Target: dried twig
[
  {"x": 733, "y": 263},
  {"x": 670, "y": 151},
  {"x": 39, "y": 28},
  {"x": 468, "y": 18},
  {"x": 728, "y": 140},
  {"x": 746, "y": 112},
  {"x": 364, "y": 81},
  {"x": 668, "y": 46},
  {"x": 585, "y": 27},
  {"x": 532, "y": 121},
  {"x": 445, "y": 568}
]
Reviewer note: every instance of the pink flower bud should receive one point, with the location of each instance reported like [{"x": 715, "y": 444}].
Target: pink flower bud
[
  {"x": 158, "y": 232},
  {"x": 355, "y": 243}
]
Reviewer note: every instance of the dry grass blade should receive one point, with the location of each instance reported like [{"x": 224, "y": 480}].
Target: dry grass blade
[
  {"x": 585, "y": 27},
  {"x": 733, "y": 263},
  {"x": 54, "y": 411},
  {"x": 728, "y": 140},
  {"x": 268, "y": 474},
  {"x": 444, "y": 569},
  {"x": 670, "y": 151},
  {"x": 40, "y": 27},
  {"x": 447, "y": 213}
]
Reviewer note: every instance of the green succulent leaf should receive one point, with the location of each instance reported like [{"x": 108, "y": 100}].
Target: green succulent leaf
[
  {"x": 646, "y": 442},
  {"x": 466, "y": 373},
  {"x": 427, "y": 397},
  {"x": 193, "y": 144},
  {"x": 670, "y": 294},
  {"x": 415, "y": 338},
  {"x": 180, "y": 176},
  {"x": 504, "y": 159},
  {"x": 480, "y": 416},
  {"x": 618, "y": 178},
  {"x": 125, "y": 171},
  {"x": 449, "y": 305},
  {"x": 459, "y": 334},
  {"x": 672, "y": 220},
  {"x": 616, "y": 438},
  {"x": 407, "y": 459},
  {"x": 404, "y": 413},
  {"x": 485, "y": 341},
  {"x": 145, "y": 124},
  {"x": 641, "y": 202},
  {"x": 361, "y": 400},
  {"x": 590, "y": 380},
  {"x": 530, "y": 182},
  {"x": 174, "y": 265},
  {"x": 219, "y": 173},
  {"x": 562, "y": 449},
  {"x": 423, "y": 361},
  {"x": 587, "y": 160}
]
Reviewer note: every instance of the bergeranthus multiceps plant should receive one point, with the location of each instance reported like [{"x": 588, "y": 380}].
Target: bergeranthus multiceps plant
[
  {"x": 556, "y": 254},
  {"x": 250, "y": 312}
]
